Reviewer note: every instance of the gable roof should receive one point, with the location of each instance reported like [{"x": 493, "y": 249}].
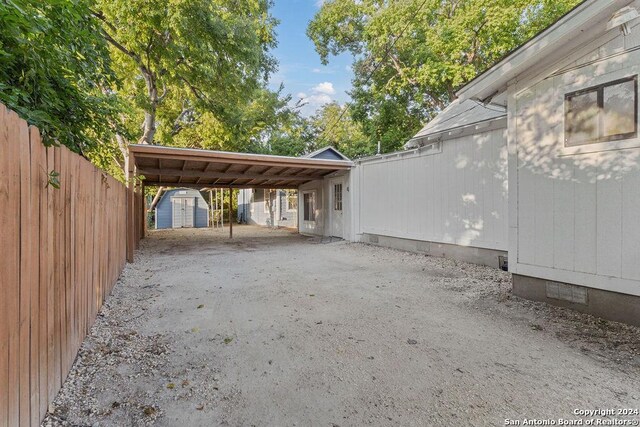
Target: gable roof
[
  {"x": 584, "y": 23},
  {"x": 328, "y": 153},
  {"x": 164, "y": 192}
]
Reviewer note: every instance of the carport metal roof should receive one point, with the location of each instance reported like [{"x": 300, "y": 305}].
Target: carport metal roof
[{"x": 187, "y": 167}]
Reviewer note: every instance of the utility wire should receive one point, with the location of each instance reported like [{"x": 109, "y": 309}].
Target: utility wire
[{"x": 375, "y": 68}]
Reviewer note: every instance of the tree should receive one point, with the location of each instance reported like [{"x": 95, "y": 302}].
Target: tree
[
  {"x": 411, "y": 56},
  {"x": 334, "y": 126},
  {"x": 53, "y": 62},
  {"x": 183, "y": 63}
]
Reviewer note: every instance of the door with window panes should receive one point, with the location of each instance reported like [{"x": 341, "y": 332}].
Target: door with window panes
[{"x": 337, "y": 215}]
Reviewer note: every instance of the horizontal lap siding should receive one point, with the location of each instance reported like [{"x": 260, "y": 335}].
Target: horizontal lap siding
[
  {"x": 63, "y": 252},
  {"x": 456, "y": 196}
]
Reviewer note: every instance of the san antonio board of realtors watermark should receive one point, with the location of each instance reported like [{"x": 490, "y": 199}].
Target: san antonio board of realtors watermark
[{"x": 585, "y": 417}]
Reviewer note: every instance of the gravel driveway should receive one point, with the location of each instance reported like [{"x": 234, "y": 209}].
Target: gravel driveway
[{"x": 276, "y": 329}]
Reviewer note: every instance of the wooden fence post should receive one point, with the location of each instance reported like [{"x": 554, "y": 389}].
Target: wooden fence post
[{"x": 129, "y": 165}]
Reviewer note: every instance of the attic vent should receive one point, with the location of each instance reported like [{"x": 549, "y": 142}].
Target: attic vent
[{"x": 566, "y": 292}]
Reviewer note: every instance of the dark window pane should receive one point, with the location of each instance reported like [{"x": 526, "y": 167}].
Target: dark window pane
[
  {"x": 582, "y": 118},
  {"x": 309, "y": 208},
  {"x": 619, "y": 109}
]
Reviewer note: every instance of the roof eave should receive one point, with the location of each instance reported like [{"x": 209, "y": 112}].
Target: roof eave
[{"x": 542, "y": 50}]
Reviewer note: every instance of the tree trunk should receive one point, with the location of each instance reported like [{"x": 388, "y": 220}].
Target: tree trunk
[
  {"x": 149, "y": 125},
  {"x": 123, "y": 145}
]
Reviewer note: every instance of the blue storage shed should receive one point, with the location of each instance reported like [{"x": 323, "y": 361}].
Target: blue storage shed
[{"x": 181, "y": 208}]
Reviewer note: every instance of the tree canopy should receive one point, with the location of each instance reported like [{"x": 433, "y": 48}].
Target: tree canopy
[
  {"x": 97, "y": 75},
  {"x": 334, "y": 125},
  {"x": 192, "y": 67},
  {"x": 411, "y": 56},
  {"x": 53, "y": 62}
]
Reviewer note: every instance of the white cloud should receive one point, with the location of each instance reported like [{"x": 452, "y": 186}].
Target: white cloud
[
  {"x": 318, "y": 99},
  {"x": 320, "y": 95},
  {"x": 319, "y": 3},
  {"x": 316, "y": 70},
  {"x": 325, "y": 88}
]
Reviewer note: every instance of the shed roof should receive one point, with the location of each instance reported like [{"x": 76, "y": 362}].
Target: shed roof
[
  {"x": 457, "y": 115},
  {"x": 187, "y": 167},
  {"x": 164, "y": 192},
  {"x": 461, "y": 114}
]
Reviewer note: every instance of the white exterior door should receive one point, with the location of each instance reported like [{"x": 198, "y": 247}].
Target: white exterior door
[
  {"x": 336, "y": 208},
  {"x": 183, "y": 211}
]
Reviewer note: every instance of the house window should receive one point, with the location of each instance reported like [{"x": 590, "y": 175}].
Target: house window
[
  {"x": 292, "y": 200},
  {"x": 309, "y": 205},
  {"x": 252, "y": 199},
  {"x": 337, "y": 197},
  {"x": 602, "y": 113}
]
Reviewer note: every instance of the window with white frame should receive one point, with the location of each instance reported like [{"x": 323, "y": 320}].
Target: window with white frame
[
  {"x": 607, "y": 112},
  {"x": 337, "y": 197},
  {"x": 252, "y": 199},
  {"x": 292, "y": 200},
  {"x": 309, "y": 206}
]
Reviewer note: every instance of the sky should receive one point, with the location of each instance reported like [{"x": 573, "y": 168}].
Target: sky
[{"x": 300, "y": 70}]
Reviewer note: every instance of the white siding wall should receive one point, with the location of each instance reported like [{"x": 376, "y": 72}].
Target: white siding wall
[
  {"x": 322, "y": 225},
  {"x": 255, "y": 211},
  {"x": 577, "y": 209},
  {"x": 456, "y": 196}
]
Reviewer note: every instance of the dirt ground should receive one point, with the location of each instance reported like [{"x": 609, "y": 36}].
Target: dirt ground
[{"x": 272, "y": 328}]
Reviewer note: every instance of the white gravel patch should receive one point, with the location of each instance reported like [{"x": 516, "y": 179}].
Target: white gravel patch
[{"x": 273, "y": 328}]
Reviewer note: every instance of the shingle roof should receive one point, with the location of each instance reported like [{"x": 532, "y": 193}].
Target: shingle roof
[{"x": 460, "y": 114}]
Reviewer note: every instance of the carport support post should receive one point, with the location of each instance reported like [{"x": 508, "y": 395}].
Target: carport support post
[
  {"x": 143, "y": 208},
  {"x": 131, "y": 222},
  {"x": 230, "y": 210}
]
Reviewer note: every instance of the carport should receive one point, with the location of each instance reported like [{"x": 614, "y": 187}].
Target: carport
[{"x": 154, "y": 165}]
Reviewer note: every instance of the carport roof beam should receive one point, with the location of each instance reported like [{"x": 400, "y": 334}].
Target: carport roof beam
[{"x": 178, "y": 167}]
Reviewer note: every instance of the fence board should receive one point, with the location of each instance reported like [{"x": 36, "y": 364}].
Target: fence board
[
  {"x": 34, "y": 266},
  {"x": 13, "y": 283},
  {"x": 9, "y": 200},
  {"x": 41, "y": 152},
  {"x": 63, "y": 252},
  {"x": 26, "y": 241}
]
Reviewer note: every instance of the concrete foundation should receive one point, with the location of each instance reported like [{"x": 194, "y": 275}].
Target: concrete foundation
[
  {"x": 608, "y": 305},
  {"x": 481, "y": 256}
]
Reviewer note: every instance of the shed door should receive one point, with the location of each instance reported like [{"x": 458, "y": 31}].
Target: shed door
[
  {"x": 337, "y": 217},
  {"x": 183, "y": 212}
]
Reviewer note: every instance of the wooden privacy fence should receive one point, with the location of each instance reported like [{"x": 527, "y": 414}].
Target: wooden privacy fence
[{"x": 62, "y": 252}]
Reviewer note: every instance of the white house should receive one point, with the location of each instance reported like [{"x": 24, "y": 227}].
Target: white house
[
  {"x": 537, "y": 158},
  {"x": 305, "y": 207},
  {"x": 268, "y": 207},
  {"x": 574, "y": 171},
  {"x": 536, "y": 161},
  {"x": 446, "y": 195}
]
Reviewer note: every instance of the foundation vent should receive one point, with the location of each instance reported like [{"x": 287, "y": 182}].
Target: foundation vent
[
  {"x": 566, "y": 292},
  {"x": 373, "y": 239}
]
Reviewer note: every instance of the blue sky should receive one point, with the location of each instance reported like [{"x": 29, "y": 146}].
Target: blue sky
[{"x": 300, "y": 69}]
